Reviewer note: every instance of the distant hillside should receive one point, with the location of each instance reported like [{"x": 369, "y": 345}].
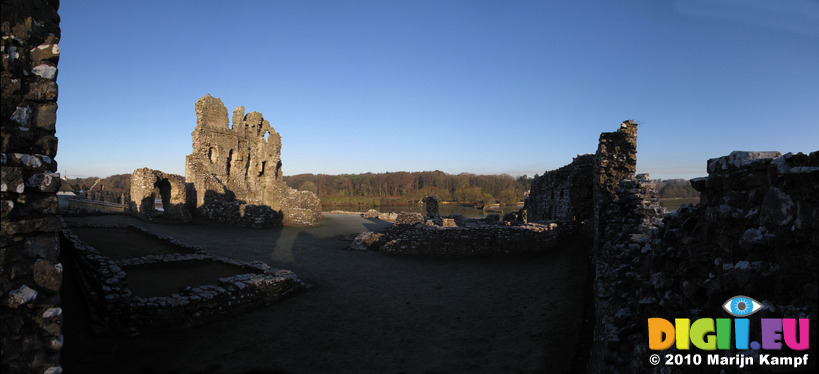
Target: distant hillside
[
  {"x": 119, "y": 182},
  {"x": 676, "y": 188}
]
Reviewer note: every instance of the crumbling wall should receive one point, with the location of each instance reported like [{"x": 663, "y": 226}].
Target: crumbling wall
[
  {"x": 113, "y": 197},
  {"x": 412, "y": 235},
  {"x": 30, "y": 332},
  {"x": 236, "y": 172},
  {"x": 147, "y": 185},
  {"x": 754, "y": 233},
  {"x": 564, "y": 194}
]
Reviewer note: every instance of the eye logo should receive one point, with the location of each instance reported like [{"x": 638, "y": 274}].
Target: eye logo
[{"x": 742, "y": 306}]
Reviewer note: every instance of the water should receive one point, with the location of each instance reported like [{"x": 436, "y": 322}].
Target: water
[{"x": 443, "y": 209}]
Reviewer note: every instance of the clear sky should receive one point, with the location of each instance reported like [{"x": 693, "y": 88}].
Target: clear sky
[{"x": 485, "y": 87}]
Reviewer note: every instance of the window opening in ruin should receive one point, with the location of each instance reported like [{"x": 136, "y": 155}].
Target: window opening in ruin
[
  {"x": 278, "y": 168},
  {"x": 163, "y": 187},
  {"x": 261, "y": 172},
  {"x": 266, "y": 135},
  {"x": 212, "y": 154},
  {"x": 229, "y": 161},
  {"x": 247, "y": 165}
]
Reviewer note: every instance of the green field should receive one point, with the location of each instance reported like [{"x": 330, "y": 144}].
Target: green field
[{"x": 672, "y": 204}]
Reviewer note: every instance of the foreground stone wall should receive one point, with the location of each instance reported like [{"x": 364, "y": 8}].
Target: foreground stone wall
[
  {"x": 171, "y": 188},
  {"x": 754, "y": 233},
  {"x": 30, "y": 332},
  {"x": 236, "y": 172},
  {"x": 564, "y": 194}
]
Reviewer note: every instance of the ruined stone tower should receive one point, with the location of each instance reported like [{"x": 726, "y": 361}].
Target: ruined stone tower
[{"x": 235, "y": 173}]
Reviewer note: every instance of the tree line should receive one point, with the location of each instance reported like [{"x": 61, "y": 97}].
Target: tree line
[
  {"x": 676, "y": 188},
  {"x": 118, "y": 182},
  {"x": 399, "y": 188},
  {"x": 403, "y": 188}
]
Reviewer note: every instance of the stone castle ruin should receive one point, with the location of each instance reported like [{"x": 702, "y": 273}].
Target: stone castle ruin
[
  {"x": 236, "y": 173},
  {"x": 147, "y": 185},
  {"x": 753, "y": 233},
  {"x": 233, "y": 175}
]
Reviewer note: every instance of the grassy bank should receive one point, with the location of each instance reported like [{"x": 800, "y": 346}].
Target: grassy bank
[{"x": 672, "y": 204}]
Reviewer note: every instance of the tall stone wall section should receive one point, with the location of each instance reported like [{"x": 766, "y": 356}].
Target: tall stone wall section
[
  {"x": 171, "y": 188},
  {"x": 236, "y": 172},
  {"x": 617, "y": 213},
  {"x": 563, "y": 195},
  {"x": 30, "y": 332}
]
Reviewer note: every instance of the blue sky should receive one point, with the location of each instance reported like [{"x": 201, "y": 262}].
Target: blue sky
[{"x": 485, "y": 87}]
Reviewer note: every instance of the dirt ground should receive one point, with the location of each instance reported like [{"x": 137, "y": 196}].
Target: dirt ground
[{"x": 368, "y": 312}]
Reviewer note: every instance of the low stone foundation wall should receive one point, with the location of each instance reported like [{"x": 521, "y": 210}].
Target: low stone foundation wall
[
  {"x": 80, "y": 206},
  {"x": 115, "y": 308},
  {"x": 412, "y": 235},
  {"x": 113, "y": 197},
  {"x": 371, "y": 214},
  {"x": 482, "y": 241}
]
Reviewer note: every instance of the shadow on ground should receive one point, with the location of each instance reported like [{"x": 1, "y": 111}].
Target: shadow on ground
[{"x": 369, "y": 313}]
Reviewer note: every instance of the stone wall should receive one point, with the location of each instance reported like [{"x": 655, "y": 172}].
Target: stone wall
[
  {"x": 754, "y": 233},
  {"x": 30, "y": 335},
  {"x": 488, "y": 240},
  {"x": 564, "y": 194},
  {"x": 112, "y": 197},
  {"x": 413, "y": 235},
  {"x": 148, "y": 185},
  {"x": 236, "y": 172}
]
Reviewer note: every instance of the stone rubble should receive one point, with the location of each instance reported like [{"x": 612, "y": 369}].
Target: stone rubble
[
  {"x": 371, "y": 214},
  {"x": 456, "y": 236}
]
